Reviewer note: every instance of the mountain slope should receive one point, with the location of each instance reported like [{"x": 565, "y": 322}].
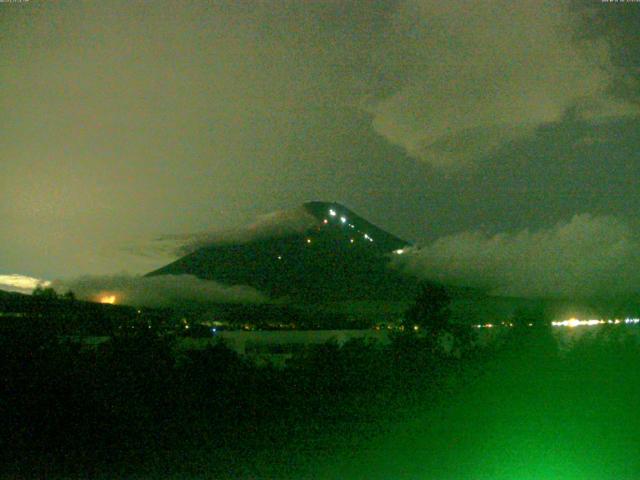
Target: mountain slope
[{"x": 341, "y": 256}]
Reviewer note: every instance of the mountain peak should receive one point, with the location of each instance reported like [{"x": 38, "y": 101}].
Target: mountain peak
[
  {"x": 317, "y": 250},
  {"x": 337, "y": 215}
]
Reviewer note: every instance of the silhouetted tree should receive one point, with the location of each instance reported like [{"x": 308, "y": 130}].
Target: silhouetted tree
[
  {"x": 69, "y": 296},
  {"x": 431, "y": 309},
  {"x": 44, "y": 292}
]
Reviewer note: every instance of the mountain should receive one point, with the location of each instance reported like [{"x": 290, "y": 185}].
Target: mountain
[
  {"x": 347, "y": 224},
  {"x": 326, "y": 254},
  {"x": 336, "y": 255}
]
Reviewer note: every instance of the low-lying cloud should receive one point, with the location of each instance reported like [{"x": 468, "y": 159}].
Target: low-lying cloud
[
  {"x": 157, "y": 291},
  {"x": 275, "y": 224},
  {"x": 588, "y": 255},
  {"x": 21, "y": 283}
]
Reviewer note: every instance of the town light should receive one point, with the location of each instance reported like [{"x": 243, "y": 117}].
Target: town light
[{"x": 109, "y": 299}]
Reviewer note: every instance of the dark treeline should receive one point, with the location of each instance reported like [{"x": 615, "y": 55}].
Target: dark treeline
[
  {"x": 64, "y": 314},
  {"x": 138, "y": 404},
  {"x": 137, "y": 399}
]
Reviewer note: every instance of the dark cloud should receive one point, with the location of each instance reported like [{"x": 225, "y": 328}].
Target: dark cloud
[
  {"x": 489, "y": 72},
  {"x": 617, "y": 26}
]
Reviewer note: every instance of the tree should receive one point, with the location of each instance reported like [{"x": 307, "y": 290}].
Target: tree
[
  {"x": 430, "y": 310},
  {"x": 44, "y": 292},
  {"x": 69, "y": 296}
]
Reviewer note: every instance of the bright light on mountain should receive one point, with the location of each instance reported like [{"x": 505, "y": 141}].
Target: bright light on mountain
[{"x": 110, "y": 299}]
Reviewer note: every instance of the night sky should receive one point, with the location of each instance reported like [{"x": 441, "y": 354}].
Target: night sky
[{"x": 487, "y": 131}]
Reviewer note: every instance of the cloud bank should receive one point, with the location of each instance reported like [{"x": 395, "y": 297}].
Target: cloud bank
[
  {"x": 21, "y": 283},
  {"x": 159, "y": 291},
  {"x": 588, "y": 255}
]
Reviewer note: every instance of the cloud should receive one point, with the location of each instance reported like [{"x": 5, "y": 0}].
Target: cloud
[
  {"x": 159, "y": 119},
  {"x": 158, "y": 291},
  {"x": 481, "y": 74},
  {"x": 21, "y": 283},
  {"x": 274, "y": 224},
  {"x": 588, "y": 255},
  {"x": 618, "y": 26}
]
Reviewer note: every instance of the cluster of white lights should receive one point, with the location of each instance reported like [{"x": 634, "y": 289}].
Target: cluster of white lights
[
  {"x": 344, "y": 220},
  {"x": 501, "y": 324},
  {"x": 399, "y": 251},
  {"x": 574, "y": 322}
]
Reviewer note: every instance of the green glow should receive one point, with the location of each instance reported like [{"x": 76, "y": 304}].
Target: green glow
[{"x": 533, "y": 415}]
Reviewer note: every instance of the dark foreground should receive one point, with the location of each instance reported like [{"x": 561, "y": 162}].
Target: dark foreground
[{"x": 133, "y": 409}]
